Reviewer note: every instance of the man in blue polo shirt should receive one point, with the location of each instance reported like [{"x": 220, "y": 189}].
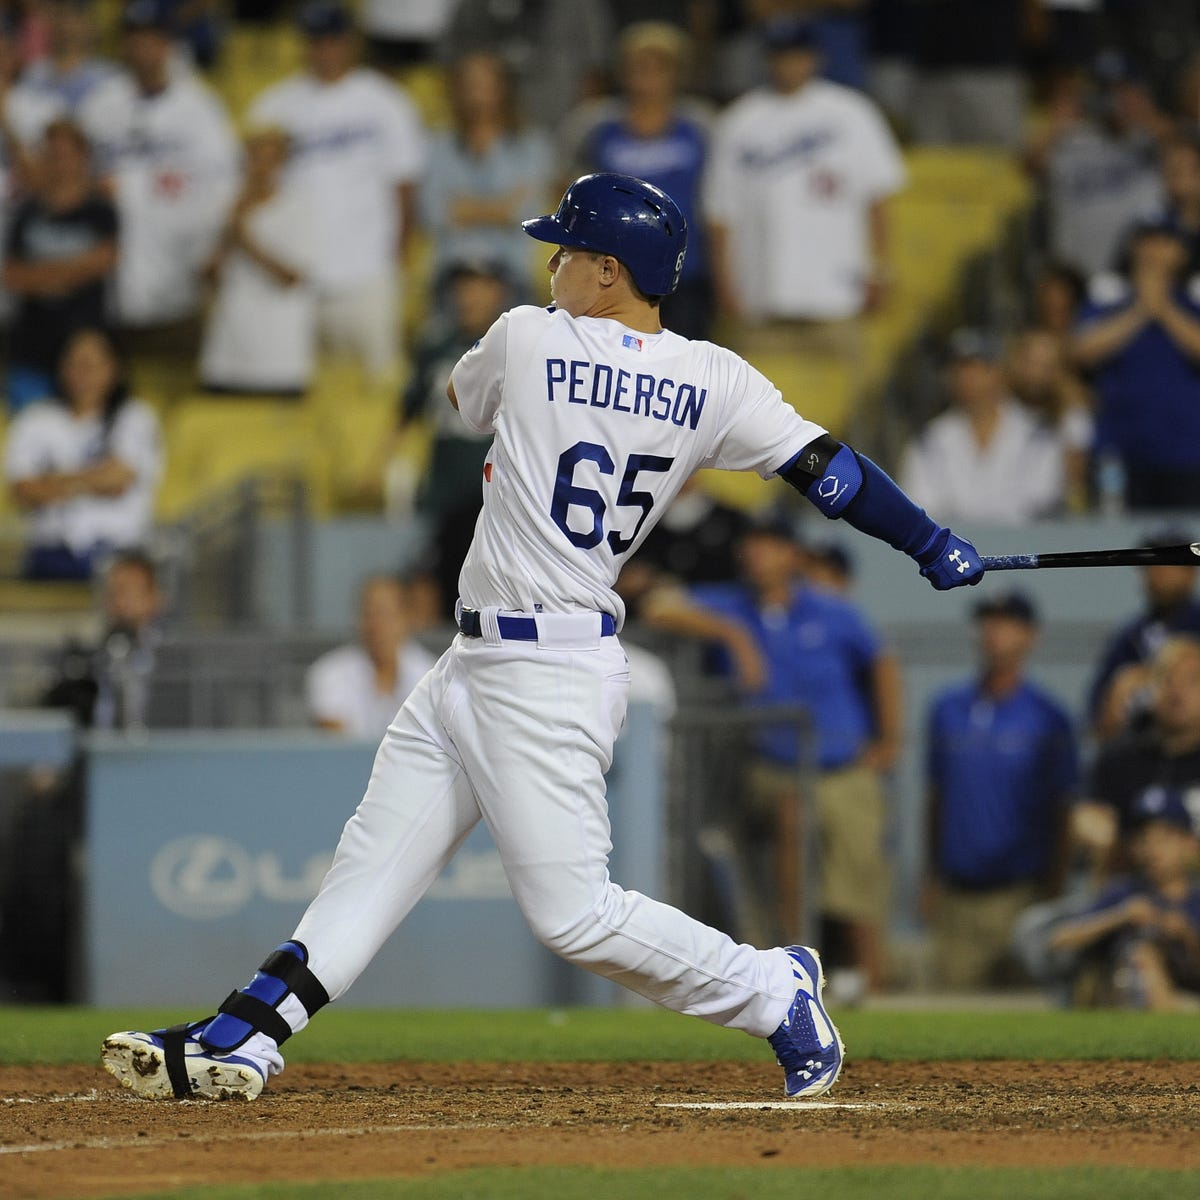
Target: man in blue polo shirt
[
  {"x": 1003, "y": 765},
  {"x": 783, "y": 642},
  {"x": 1140, "y": 335}
]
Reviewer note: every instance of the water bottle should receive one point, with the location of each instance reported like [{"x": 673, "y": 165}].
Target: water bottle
[{"x": 1110, "y": 484}]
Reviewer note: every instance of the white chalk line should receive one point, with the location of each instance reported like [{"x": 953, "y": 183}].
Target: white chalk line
[
  {"x": 76, "y": 1098},
  {"x": 793, "y": 1105},
  {"x": 255, "y": 1135}
]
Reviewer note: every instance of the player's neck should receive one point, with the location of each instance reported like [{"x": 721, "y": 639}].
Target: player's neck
[{"x": 630, "y": 312}]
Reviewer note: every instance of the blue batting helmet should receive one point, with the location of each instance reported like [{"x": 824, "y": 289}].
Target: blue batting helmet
[{"x": 628, "y": 218}]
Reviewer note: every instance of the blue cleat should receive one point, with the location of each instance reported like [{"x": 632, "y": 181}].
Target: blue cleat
[
  {"x": 171, "y": 1064},
  {"x": 807, "y": 1045}
]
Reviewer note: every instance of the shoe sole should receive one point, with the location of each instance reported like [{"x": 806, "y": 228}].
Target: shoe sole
[
  {"x": 140, "y": 1067},
  {"x": 825, "y": 1085}
]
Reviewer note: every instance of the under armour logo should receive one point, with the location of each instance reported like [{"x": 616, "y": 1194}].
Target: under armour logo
[{"x": 960, "y": 564}]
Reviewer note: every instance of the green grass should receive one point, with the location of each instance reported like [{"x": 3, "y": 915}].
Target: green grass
[
  {"x": 740, "y": 1183},
  {"x": 66, "y": 1035}
]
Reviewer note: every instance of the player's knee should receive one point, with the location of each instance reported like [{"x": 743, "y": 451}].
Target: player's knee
[{"x": 576, "y": 937}]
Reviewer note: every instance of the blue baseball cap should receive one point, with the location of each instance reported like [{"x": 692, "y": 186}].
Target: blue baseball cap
[
  {"x": 1163, "y": 804},
  {"x": 1014, "y": 605},
  {"x": 325, "y": 18},
  {"x": 148, "y": 14},
  {"x": 789, "y": 33}
]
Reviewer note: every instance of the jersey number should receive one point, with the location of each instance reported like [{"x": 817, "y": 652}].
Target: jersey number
[{"x": 568, "y": 494}]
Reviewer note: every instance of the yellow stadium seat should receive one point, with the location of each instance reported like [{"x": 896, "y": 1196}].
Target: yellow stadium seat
[{"x": 212, "y": 443}]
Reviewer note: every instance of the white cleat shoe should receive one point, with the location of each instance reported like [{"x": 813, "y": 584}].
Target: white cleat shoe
[{"x": 170, "y": 1064}]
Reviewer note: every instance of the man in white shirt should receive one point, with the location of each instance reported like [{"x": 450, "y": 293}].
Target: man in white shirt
[
  {"x": 358, "y": 149},
  {"x": 358, "y": 688},
  {"x": 988, "y": 458},
  {"x": 797, "y": 179},
  {"x": 166, "y": 142}
]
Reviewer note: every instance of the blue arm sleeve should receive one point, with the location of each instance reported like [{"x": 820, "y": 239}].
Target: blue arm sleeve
[{"x": 842, "y": 483}]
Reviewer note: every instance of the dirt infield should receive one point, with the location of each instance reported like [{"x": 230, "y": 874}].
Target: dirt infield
[{"x": 71, "y": 1132}]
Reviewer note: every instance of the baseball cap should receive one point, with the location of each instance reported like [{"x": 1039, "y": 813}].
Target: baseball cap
[
  {"x": 148, "y": 14},
  {"x": 789, "y": 33},
  {"x": 970, "y": 342},
  {"x": 1158, "y": 224},
  {"x": 1015, "y": 605},
  {"x": 1163, "y": 804},
  {"x": 476, "y": 268},
  {"x": 835, "y": 555},
  {"x": 325, "y": 18},
  {"x": 773, "y": 522}
]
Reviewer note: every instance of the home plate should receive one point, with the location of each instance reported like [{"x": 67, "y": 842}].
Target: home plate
[{"x": 725, "y": 1105}]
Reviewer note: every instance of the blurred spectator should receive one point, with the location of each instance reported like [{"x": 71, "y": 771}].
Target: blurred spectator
[
  {"x": 839, "y": 31},
  {"x": 358, "y": 688},
  {"x": 1139, "y": 940},
  {"x": 1164, "y": 753},
  {"x": 60, "y": 251},
  {"x": 451, "y": 492},
  {"x": 655, "y": 134},
  {"x": 358, "y": 150},
  {"x": 485, "y": 173},
  {"x": 1003, "y": 766},
  {"x": 1139, "y": 335},
  {"x": 970, "y": 86},
  {"x": 85, "y": 467},
  {"x": 558, "y": 53},
  {"x": 963, "y": 464},
  {"x": 107, "y": 685},
  {"x": 1119, "y": 695},
  {"x": 403, "y": 35},
  {"x": 795, "y": 201},
  {"x": 261, "y": 332},
  {"x": 71, "y": 69},
  {"x": 829, "y": 565},
  {"x": 1099, "y": 169},
  {"x": 1058, "y": 293},
  {"x": 199, "y": 26},
  {"x": 696, "y": 541},
  {"x": 1181, "y": 183},
  {"x": 787, "y": 643},
  {"x": 25, "y": 113},
  {"x": 165, "y": 140},
  {"x": 1042, "y": 377}
]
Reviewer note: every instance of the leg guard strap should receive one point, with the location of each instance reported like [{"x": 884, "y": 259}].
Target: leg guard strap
[
  {"x": 255, "y": 1008},
  {"x": 173, "y": 1040}
]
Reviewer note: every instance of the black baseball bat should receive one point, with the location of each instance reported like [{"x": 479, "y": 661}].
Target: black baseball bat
[{"x": 1142, "y": 556}]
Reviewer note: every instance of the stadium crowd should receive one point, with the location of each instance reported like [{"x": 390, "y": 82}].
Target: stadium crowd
[{"x": 139, "y": 228}]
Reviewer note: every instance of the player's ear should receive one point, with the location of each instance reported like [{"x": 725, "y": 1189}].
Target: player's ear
[{"x": 610, "y": 270}]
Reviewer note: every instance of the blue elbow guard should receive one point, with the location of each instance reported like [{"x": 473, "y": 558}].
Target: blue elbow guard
[{"x": 839, "y": 485}]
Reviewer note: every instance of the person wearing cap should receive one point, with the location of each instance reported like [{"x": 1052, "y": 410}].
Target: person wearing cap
[
  {"x": 1163, "y": 751},
  {"x": 986, "y": 458},
  {"x": 1002, "y": 767},
  {"x": 448, "y": 492},
  {"x": 485, "y": 170},
  {"x": 1139, "y": 939},
  {"x": 784, "y": 642},
  {"x": 795, "y": 199},
  {"x": 165, "y": 142},
  {"x": 653, "y": 131},
  {"x": 1119, "y": 696},
  {"x": 1139, "y": 334},
  {"x": 260, "y": 335},
  {"x": 358, "y": 150}
]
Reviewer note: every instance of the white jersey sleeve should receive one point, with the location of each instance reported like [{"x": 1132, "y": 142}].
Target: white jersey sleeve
[
  {"x": 765, "y": 432},
  {"x": 478, "y": 378}
]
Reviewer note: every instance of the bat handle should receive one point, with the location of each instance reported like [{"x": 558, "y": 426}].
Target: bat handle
[{"x": 1009, "y": 562}]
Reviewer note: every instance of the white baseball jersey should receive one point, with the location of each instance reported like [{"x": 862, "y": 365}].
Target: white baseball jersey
[
  {"x": 173, "y": 158},
  {"x": 596, "y": 429},
  {"x": 353, "y": 143},
  {"x": 792, "y": 177}
]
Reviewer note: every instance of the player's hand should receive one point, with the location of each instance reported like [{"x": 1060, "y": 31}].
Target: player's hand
[{"x": 949, "y": 561}]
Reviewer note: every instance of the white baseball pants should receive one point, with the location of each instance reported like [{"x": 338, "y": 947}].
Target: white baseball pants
[{"x": 521, "y": 734}]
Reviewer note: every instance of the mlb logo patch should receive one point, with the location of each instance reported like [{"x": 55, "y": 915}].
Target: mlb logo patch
[{"x": 630, "y": 342}]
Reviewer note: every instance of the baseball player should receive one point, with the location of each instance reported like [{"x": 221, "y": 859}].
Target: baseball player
[{"x": 599, "y": 416}]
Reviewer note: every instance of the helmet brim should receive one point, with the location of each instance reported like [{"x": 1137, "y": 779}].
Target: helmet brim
[{"x": 550, "y": 229}]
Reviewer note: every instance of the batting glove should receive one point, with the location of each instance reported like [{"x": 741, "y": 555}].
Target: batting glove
[{"x": 949, "y": 561}]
